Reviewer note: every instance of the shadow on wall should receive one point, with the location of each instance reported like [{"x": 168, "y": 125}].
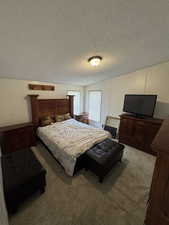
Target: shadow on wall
[{"x": 162, "y": 110}]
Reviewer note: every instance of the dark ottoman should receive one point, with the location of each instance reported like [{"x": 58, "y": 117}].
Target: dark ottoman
[
  {"x": 102, "y": 157},
  {"x": 22, "y": 176}
]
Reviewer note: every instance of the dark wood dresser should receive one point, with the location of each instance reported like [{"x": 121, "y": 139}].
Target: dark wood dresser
[
  {"x": 17, "y": 137},
  {"x": 158, "y": 204},
  {"x": 138, "y": 133}
]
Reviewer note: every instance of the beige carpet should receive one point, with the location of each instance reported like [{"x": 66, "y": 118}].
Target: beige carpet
[{"x": 81, "y": 200}]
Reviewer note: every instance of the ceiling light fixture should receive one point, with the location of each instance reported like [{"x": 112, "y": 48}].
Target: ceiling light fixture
[{"x": 95, "y": 60}]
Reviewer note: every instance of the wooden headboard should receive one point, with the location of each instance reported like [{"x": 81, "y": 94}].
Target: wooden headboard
[{"x": 42, "y": 107}]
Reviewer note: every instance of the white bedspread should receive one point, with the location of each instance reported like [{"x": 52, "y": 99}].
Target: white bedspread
[
  {"x": 3, "y": 213},
  {"x": 69, "y": 139}
]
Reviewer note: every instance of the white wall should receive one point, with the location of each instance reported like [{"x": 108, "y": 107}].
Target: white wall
[
  {"x": 152, "y": 80},
  {"x": 14, "y": 107},
  {"x": 14, "y": 104}
]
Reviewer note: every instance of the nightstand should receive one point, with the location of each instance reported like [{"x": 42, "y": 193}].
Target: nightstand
[
  {"x": 83, "y": 117},
  {"x": 17, "y": 137}
]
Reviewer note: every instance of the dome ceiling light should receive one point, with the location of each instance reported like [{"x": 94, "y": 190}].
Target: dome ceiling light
[{"x": 95, "y": 60}]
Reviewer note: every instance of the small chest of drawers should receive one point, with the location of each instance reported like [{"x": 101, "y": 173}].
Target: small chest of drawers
[{"x": 17, "y": 137}]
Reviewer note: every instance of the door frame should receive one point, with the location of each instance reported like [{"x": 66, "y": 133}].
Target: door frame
[{"x": 100, "y": 102}]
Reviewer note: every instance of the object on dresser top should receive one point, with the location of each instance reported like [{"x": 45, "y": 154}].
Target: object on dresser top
[
  {"x": 83, "y": 117},
  {"x": 23, "y": 175},
  {"x": 17, "y": 137}
]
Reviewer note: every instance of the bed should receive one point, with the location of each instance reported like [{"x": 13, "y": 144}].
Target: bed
[{"x": 68, "y": 140}]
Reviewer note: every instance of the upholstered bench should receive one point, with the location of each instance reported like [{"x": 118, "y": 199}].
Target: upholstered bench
[
  {"x": 22, "y": 176},
  {"x": 102, "y": 157}
]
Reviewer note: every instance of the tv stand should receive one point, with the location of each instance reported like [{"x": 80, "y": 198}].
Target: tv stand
[
  {"x": 139, "y": 116},
  {"x": 138, "y": 132}
]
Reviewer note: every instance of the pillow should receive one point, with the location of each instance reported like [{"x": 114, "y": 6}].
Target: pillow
[
  {"x": 67, "y": 116},
  {"x": 59, "y": 118},
  {"x": 45, "y": 121}
]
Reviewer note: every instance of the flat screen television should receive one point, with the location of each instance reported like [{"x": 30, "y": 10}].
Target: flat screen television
[{"x": 140, "y": 105}]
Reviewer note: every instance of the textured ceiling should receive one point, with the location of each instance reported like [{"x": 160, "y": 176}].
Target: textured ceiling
[{"x": 51, "y": 40}]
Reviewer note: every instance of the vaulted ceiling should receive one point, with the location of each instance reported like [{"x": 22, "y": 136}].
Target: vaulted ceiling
[{"x": 51, "y": 40}]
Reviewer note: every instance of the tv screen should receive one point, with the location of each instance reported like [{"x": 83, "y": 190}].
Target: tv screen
[{"x": 140, "y": 104}]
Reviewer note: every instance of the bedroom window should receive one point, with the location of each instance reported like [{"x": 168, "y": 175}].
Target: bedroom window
[
  {"x": 95, "y": 98},
  {"x": 76, "y": 101}
]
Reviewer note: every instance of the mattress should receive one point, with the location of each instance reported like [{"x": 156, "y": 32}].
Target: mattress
[
  {"x": 3, "y": 212},
  {"x": 69, "y": 139}
]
